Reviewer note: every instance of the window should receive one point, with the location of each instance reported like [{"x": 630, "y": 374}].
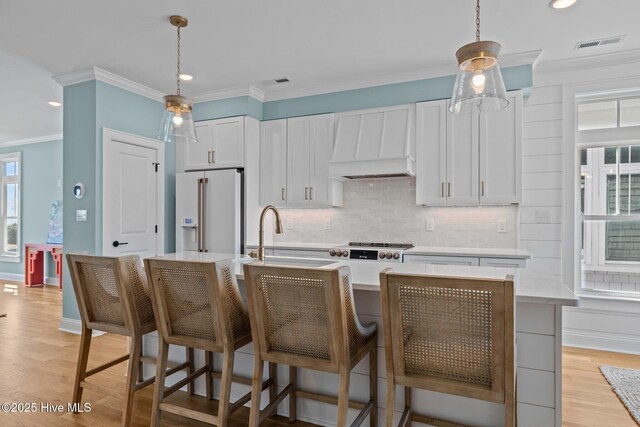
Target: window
[
  {"x": 10, "y": 205},
  {"x": 609, "y": 184}
]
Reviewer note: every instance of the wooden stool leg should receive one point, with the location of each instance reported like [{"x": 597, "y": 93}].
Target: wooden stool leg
[
  {"x": 343, "y": 398},
  {"x": 132, "y": 378},
  {"x": 256, "y": 391},
  {"x": 158, "y": 387},
  {"x": 225, "y": 388},
  {"x": 140, "y": 366},
  {"x": 209, "y": 381},
  {"x": 190, "y": 358},
  {"x": 391, "y": 398},
  {"x": 81, "y": 369},
  {"x": 293, "y": 402},
  {"x": 273, "y": 374},
  {"x": 373, "y": 386}
]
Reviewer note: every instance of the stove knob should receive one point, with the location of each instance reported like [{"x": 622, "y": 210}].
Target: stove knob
[
  {"x": 389, "y": 255},
  {"x": 332, "y": 252},
  {"x": 382, "y": 255},
  {"x": 396, "y": 255},
  {"x": 345, "y": 253}
]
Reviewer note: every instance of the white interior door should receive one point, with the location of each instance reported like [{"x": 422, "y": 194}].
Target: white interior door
[{"x": 133, "y": 202}]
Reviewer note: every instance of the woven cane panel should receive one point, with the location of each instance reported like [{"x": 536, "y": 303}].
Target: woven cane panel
[
  {"x": 103, "y": 299},
  {"x": 238, "y": 316},
  {"x": 187, "y": 300},
  {"x": 137, "y": 281},
  {"x": 357, "y": 339},
  {"x": 295, "y": 315},
  {"x": 447, "y": 333}
]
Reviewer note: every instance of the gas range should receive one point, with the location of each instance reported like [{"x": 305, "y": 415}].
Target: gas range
[{"x": 366, "y": 251}]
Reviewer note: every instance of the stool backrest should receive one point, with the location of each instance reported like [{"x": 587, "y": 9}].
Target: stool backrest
[
  {"x": 197, "y": 303},
  {"x": 303, "y": 317},
  {"x": 446, "y": 334},
  {"x": 111, "y": 292}
]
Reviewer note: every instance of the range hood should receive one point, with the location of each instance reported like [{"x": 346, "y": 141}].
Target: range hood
[{"x": 374, "y": 143}]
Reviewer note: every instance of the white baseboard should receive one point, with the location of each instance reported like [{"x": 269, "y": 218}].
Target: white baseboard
[
  {"x": 619, "y": 343},
  {"x": 20, "y": 278},
  {"x": 599, "y": 329},
  {"x": 74, "y": 326}
]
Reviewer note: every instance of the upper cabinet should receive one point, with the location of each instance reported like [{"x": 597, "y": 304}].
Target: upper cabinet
[
  {"x": 468, "y": 159},
  {"x": 220, "y": 145},
  {"x": 294, "y": 156}
]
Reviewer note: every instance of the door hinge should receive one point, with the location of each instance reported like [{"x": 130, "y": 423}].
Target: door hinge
[
  {"x": 156, "y": 166},
  {"x": 156, "y": 229}
]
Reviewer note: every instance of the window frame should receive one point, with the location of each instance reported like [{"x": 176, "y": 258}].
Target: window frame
[{"x": 14, "y": 179}]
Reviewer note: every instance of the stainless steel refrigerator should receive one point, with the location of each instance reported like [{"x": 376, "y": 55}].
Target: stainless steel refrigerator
[{"x": 210, "y": 211}]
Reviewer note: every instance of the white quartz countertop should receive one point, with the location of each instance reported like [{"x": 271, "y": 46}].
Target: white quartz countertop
[
  {"x": 472, "y": 252},
  {"x": 301, "y": 246},
  {"x": 365, "y": 274}
]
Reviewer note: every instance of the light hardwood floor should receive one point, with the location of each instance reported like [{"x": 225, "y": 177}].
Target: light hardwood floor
[{"x": 37, "y": 364}]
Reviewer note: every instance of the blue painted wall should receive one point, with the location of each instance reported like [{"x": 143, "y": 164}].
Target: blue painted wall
[
  {"x": 520, "y": 77},
  {"x": 41, "y": 170},
  {"x": 88, "y": 108}
]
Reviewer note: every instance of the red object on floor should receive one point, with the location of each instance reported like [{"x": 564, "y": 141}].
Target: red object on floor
[{"x": 34, "y": 262}]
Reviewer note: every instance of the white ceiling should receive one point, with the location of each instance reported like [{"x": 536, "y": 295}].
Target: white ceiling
[{"x": 241, "y": 42}]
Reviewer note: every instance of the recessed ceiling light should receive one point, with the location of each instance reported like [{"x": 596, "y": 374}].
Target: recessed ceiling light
[
  {"x": 186, "y": 77},
  {"x": 561, "y": 4},
  {"x": 55, "y": 103}
]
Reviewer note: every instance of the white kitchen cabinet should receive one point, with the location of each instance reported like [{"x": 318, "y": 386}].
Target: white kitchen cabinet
[
  {"x": 294, "y": 156},
  {"x": 441, "y": 260},
  {"x": 273, "y": 162},
  {"x": 220, "y": 145},
  {"x": 468, "y": 159},
  {"x": 300, "y": 253}
]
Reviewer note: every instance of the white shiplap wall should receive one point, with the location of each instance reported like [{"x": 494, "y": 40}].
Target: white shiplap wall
[{"x": 542, "y": 180}]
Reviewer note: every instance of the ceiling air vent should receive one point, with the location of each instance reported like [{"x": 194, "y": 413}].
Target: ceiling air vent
[
  {"x": 274, "y": 82},
  {"x": 599, "y": 42},
  {"x": 282, "y": 80}
]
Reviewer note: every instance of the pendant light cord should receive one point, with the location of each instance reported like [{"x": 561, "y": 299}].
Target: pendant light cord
[
  {"x": 477, "y": 21},
  {"x": 178, "y": 62}
]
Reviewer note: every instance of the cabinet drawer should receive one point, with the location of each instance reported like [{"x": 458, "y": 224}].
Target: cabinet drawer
[
  {"x": 442, "y": 260},
  {"x": 536, "y": 351},
  {"x": 537, "y": 387},
  {"x": 535, "y": 416},
  {"x": 299, "y": 253},
  {"x": 503, "y": 262}
]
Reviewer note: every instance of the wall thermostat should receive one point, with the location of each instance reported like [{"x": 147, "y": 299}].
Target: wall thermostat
[{"x": 78, "y": 190}]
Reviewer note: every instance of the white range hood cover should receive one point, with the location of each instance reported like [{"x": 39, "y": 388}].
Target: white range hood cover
[{"x": 374, "y": 143}]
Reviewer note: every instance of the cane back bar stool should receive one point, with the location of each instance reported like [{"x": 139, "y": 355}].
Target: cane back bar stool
[
  {"x": 112, "y": 296},
  {"x": 198, "y": 305},
  {"x": 449, "y": 335},
  {"x": 305, "y": 318}
]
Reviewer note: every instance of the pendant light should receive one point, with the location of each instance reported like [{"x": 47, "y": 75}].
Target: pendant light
[
  {"x": 479, "y": 86},
  {"x": 177, "y": 121}
]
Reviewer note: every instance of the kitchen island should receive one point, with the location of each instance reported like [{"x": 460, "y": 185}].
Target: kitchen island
[{"x": 539, "y": 305}]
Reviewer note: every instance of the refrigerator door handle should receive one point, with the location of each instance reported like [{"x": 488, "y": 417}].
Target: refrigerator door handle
[
  {"x": 203, "y": 214},
  {"x": 199, "y": 230}
]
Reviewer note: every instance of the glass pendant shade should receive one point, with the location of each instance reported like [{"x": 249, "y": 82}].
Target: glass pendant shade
[
  {"x": 479, "y": 86},
  {"x": 177, "y": 121}
]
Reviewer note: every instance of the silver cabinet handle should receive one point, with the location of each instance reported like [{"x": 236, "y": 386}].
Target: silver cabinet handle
[
  {"x": 448, "y": 189},
  {"x": 283, "y": 195},
  {"x": 213, "y": 156},
  {"x": 482, "y": 188},
  {"x": 310, "y": 193},
  {"x": 306, "y": 193},
  {"x": 209, "y": 157},
  {"x": 442, "y": 189}
]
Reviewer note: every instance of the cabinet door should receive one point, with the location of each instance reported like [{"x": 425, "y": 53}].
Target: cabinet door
[
  {"x": 462, "y": 159},
  {"x": 196, "y": 155},
  {"x": 431, "y": 153},
  {"x": 500, "y": 154},
  {"x": 320, "y": 151},
  {"x": 273, "y": 162},
  {"x": 228, "y": 143},
  {"x": 298, "y": 161}
]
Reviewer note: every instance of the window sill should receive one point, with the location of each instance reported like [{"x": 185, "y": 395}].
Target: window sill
[
  {"x": 8, "y": 258},
  {"x": 611, "y": 268}
]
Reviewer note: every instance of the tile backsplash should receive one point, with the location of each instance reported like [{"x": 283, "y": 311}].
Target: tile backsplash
[{"x": 385, "y": 210}]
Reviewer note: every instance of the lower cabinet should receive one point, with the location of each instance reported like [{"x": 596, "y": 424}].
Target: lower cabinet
[
  {"x": 467, "y": 260},
  {"x": 300, "y": 253}
]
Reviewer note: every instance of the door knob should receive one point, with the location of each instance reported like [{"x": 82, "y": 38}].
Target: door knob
[{"x": 116, "y": 243}]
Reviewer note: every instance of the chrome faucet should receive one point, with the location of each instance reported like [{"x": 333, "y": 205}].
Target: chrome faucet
[{"x": 261, "y": 232}]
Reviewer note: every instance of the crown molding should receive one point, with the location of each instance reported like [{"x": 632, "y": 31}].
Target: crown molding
[
  {"x": 233, "y": 92},
  {"x": 95, "y": 73},
  {"x": 45, "y": 138},
  {"x": 510, "y": 60},
  {"x": 591, "y": 61}
]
